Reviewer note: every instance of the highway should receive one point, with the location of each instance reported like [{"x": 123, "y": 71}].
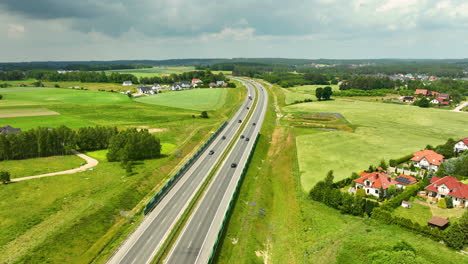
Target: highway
[
  {"x": 197, "y": 239},
  {"x": 144, "y": 243}
]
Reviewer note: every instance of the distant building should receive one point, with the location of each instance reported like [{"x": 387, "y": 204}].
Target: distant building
[
  {"x": 146, "y": 90},
  {"x": 406, "y": 204},
  {"x": 219, "y": 83},
  {"x": 127, "y": 83},
  {"x": 461, "y": 146},
  {"x": 197, "y": 81},
  {"x": 212, "y": 84},
  {"x": 9, "y": 130},
  {"x": 156, "y": 87}
]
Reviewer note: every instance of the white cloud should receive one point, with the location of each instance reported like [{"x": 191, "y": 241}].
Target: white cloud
[{"x": 15, "y": 30}]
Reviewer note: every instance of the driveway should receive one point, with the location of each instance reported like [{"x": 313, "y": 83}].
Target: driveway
[{"x": 460, "y": 107}]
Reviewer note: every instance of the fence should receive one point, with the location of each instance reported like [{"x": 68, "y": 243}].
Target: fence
[
  {"x": 406, "y": 172},
  {"x": 165, "y": 189},
  {"x": 231, "y": 203}
]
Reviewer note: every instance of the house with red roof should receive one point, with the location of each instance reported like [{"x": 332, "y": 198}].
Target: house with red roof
[
  {"x": 424, "y": 92},
  {"x": 427, "y": 160},
  {"x": 440, "y": 101},
  {"x": 405, "y": 180},
  {"x": 375, "y": 183},
  {"x": 461, "y": 146},
  {"x": 449, "y": 186}
]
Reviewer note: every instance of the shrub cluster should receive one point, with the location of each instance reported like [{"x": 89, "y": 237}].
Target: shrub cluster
[{"x": 132, "y": 144}]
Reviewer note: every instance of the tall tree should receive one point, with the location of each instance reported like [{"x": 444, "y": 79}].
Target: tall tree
[{"x": 319, "y": 93}]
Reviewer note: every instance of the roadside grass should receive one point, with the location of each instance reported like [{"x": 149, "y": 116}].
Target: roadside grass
[
  {"x": 331, "y": 237},
  {"x": 36, "y": 166},
  {"x": 382, "y": 131},
  {"x": 265, "y": 225},
  {"x": 74, "y": 218},
  {"x": 196, "y": 99}
]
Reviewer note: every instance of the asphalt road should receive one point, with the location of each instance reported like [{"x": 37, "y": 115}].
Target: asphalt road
[
  {"x": 197, "y": 240},
  {"x": 143, "y": 244}
]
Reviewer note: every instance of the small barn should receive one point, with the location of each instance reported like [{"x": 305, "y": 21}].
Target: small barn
[{"x": 438, "y": 222}]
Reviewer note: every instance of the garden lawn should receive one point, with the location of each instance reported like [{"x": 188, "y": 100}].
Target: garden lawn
[
  {"x": 36, "y": 166},
  {"x": 196, "y": 99},
  {"x": 383, "y": 131},
  {"x": 418, "y": 213}
]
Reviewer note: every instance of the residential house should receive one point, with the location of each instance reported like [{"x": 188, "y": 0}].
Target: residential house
[
  {"x": 375, "y": 183},
  {"x": 197, "y": 81},
  {"x": 427, "y": 160},
  {"x": 127, "y": 83},
  {"x": 461, "y": 146},
  {"x": 225, "y": 84},
  {"x": 212, "y": 84},
  {"x": 156, "y": 86},
  {"x": 186, "y": 85},
  {"x": 449, "y": 186},
  {"x": 407, "y": 98},
  {"x": 444, "y": 96},
  {"x": 438, "y": 222},
  {"x": 404, "y": 180},
  {"x": 9, "y": 130},
  {"x": 424, "y": 92},
  {"x": 177, "y": 86},
  {"x": 439, "y": 101},
  {"x": 219, "y": 83},
  {"x": 146, "y": 90}
]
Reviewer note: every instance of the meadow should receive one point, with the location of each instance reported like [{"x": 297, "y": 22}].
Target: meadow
[
  {"x": 36, "y": 166},
  {"x": 196, "y": 99},
  {"x": 382, "y": 131},
  {"x": 74, "y": 218},
  {"x": 291, "y": 228}
]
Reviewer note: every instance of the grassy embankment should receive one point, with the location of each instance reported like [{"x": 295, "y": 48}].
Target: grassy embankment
[
  {"x": 73, "y": 218},
  {"x": 295, "y": 229}
]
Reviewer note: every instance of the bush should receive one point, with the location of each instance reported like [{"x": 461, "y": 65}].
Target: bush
[
  {"x": 204, "y": 114},
  {"x": 56, "y": 85},
  {"x": 1, "y": 97},
  {"x": 449, "y": 202},
  {"x": 442, "y": 203},
  {"x": 4, "y": 177}
]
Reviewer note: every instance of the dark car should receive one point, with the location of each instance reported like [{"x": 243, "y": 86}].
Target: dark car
[
  {"x": 224, "y": 137},
  {"x": 254, "y": 124},
  {"x": 211, "y": 152},
  {"x": 240, "y": 121},
  {"x": 242, "y": 136},
  {"x": 247, "y": 139},
  {"x": 248, "y": 108},
  {"x": 233, "y": 165}
]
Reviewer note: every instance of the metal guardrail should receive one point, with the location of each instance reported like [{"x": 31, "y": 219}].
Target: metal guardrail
[
  {"x": 232, "y": 202},
  {"x": 165, "y": 189}
]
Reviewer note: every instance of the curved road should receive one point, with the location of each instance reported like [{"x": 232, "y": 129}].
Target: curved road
[{"x": 90, "y": 163}]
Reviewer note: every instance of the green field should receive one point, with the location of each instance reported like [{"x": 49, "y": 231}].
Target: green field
[
  {"x": 196, "y": 99},
  {"x": 310, "y": 89},
  {"x": 31, "y": 167},
  {"x": 74, "y": 218},
  {"x": 383, "y": 131}
]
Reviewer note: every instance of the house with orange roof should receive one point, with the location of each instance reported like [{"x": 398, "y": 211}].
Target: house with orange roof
[
  {"x": 449, "y": 186},
  {"x": 427, "y": 160},
  {"x": 461, "y": 146},
  {"x": 424, "y": 92},
  {"x": 375, "y": 183}
]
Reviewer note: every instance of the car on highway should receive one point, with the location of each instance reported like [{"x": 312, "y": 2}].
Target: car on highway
[
  {"x": 247, "y": 139},
  {"x": 224, "y": 137},
  {"x": 254, "y": 124},
  {"x": 240, "y": 121},
  {"x": 242, "y": 136},
  {"x": 211, "y": 152},
  {"x": 247, "y": 108},
  {"x": 233, "y": 165}
]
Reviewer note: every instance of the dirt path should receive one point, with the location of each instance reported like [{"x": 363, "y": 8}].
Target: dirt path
[
  {"x": 90, "y": 162},
  {"x": 460, "y": 107}
]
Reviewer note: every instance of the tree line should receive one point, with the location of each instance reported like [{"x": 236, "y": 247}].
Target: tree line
[
  {"x": 367, "y": 83},
  {"x": 131, "y": 145},
  {"x": 206, "y": 76},
  {"x": 287, "y": 79}
]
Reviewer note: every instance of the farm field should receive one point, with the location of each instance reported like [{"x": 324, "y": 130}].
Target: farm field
[
  {"x": 75, "y": 218},
  {"x": 310, "y": 89},
  {"x": 196, "y": 99},
  {"x": 382, "y": 131},
  {"x": 31, "y": 167},
  {"x": 90, "y": 86}
]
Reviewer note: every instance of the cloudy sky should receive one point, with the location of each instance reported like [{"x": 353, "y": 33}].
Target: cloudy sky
[{"x": 33, "y": 30}]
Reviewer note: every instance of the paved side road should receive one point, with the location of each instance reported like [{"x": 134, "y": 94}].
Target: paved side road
[
  {"x": 90, "y": 163},
  {"x": 460, "y": 107}
]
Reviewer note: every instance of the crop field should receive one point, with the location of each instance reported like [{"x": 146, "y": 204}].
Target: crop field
[
  {"x": 21, "y": 112},
  {"x": 382, "y": 131},
  {"x": 75, "y": 218},
  {"x": 90, "y": 86},
  {"x": 196, "y": 99},
  {"x": 36, "y": 166}
]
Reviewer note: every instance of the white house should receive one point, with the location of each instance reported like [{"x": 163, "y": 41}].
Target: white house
[
  {"x": 176, "y": 86},
  {"x": 219, "y": 83},
  {"x": 427, "y": 160},
  {"x": 127, "y": 83},
  {"x": 156, "y": 87},
  {"x": 406, "y": 204},
  {"x": 461, "y": 146},
  {"x": 146, "y": 90},
  {"x": 375, "y": 183},
  {"x": 449, "y": 186}
]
